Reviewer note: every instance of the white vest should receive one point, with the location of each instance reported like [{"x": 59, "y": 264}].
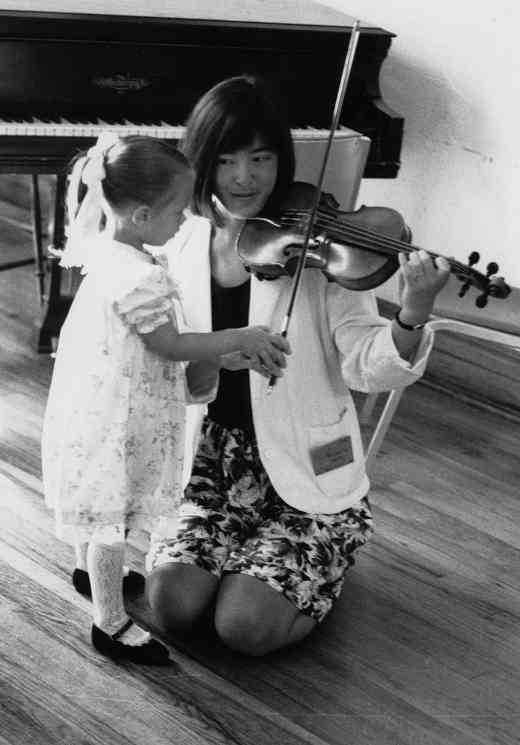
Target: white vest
[{"x": 307, "y": 427}]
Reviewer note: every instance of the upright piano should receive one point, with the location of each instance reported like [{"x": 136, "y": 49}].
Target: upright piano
[{"x": 140, "y": 68}]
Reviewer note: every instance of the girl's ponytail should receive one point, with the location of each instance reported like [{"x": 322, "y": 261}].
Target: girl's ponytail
[{"x": 86, "y": 203}]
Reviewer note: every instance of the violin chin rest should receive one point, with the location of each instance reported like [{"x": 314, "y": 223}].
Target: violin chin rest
[{"x": 291, "y": 266}]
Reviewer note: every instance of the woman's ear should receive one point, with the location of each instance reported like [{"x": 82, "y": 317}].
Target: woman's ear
[{"x": 141, "y": 215}]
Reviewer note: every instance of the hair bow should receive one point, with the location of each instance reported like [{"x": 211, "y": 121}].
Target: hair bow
[{"x": 94, "y": 169}]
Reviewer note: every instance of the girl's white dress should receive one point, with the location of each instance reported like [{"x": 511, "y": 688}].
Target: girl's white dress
[{"x": 113, "y": 434}]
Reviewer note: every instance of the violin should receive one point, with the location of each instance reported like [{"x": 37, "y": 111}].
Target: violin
[{"x": 358, "y": 250}]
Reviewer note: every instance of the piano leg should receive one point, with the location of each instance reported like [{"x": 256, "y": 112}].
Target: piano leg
[
  {"x": 56, "y": 306},
  {"x": 37, "y": 236}
]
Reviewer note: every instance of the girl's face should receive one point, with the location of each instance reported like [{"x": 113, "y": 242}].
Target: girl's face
[
  {"x": 165, "y": 220},
  {"x": 245, "y": 178}
]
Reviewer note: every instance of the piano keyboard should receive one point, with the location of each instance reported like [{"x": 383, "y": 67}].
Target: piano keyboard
[{"x": 35, "y": 128}]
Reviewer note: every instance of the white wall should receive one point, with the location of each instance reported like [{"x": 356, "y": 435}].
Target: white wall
[{"x": 453, "y": 72}]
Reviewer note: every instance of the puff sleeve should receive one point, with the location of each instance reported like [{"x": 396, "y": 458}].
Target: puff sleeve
[{"x": 151, "y": 300}]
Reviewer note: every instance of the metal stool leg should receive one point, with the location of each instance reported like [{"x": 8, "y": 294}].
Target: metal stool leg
[{"x": 56, "y": 306}]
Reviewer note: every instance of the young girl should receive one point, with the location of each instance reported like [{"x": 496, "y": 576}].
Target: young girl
[{"x": 113, "y": 436}]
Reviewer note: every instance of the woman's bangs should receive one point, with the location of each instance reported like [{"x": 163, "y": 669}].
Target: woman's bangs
[{"x": 240, "y": 132}]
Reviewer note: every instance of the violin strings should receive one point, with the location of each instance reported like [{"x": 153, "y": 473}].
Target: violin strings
[
  {"x": 355, "y": 239},
  {"x": 378, "y": 240},
  {"x": 351, "y": 231},
  {"x": 364, "y": 238}
]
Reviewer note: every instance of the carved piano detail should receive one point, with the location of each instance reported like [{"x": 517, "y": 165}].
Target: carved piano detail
[{"x": 65, "y": 75}]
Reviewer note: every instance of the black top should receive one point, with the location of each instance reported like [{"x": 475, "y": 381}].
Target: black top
[{"x": 232, "y": 406}]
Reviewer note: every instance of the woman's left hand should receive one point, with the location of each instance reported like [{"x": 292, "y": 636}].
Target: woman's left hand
[{"x": 422, "y": 278}]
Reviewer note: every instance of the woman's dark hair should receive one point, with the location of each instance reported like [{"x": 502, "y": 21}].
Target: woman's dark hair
[
  {"x": 229, "y": 117},
  {"x": 138, "y": 170}
]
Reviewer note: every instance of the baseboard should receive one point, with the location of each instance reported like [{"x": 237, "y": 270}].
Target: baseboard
[
  {"x": 507, "y": 412},
  {"x": 475, "y": 370}
]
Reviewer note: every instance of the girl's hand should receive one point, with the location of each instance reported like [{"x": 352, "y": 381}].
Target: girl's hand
[
  {"x": 422, "y": 278},
  {"x": 267, "y": 349},
  {"x": 238, "y": 361}
]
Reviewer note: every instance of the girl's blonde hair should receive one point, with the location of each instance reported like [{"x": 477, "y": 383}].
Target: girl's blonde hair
[
  {"x": 116, "y": 173},
  {"x": 134, "y": 170}
]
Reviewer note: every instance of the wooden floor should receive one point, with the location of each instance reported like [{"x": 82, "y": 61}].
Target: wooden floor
[{"x": 423, "y": 647}]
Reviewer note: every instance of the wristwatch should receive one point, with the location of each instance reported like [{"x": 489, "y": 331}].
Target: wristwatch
[{"x": 408, "y": 326}]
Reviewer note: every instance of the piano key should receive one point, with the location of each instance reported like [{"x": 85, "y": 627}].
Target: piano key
[{"x": 69, "y": 127}]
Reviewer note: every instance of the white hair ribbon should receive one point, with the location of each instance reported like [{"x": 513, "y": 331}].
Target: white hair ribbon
[{"x": 85, "y": 227}]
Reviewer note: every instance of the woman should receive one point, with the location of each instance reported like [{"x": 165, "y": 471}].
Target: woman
[{"x": 277, "y": 501}]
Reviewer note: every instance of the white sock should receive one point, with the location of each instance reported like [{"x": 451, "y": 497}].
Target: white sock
[
  {"x": 105, "y": 568},
  {"x": 81, "y": 558},
  {"x": 81, "y": 555}
]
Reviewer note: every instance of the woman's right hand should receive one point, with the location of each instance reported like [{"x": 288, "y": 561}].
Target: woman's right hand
[
  {"x": 268, "y": 349},
  {"x": 237, "y": 361}
]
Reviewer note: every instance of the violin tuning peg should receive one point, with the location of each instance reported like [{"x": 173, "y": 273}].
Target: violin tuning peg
[
  {"x": 465, "y": 287},
  {"x": 492, "y": 268},
  {"x": 473, "y": 258},
  {"x": 498, "y": 287},
  {"x": 481, "y": 301}
]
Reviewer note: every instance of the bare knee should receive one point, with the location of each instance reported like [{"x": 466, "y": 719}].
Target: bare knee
[
  {"x": 243, "y": 631},
  {"x": 178, "y": 594},
  {"x": 254, "y": 619}
]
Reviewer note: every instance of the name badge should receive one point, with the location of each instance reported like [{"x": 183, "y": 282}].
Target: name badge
[{"x": 325, "y": 458}]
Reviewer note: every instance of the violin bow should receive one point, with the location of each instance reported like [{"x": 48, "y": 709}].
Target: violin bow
[{"x": 345, "y": 76}]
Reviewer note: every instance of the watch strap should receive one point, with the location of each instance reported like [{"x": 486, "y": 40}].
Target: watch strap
[{"x": 408, "y": 326}]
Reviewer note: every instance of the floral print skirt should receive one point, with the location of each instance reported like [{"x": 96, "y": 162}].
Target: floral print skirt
[{"x": 232, "y": 521}]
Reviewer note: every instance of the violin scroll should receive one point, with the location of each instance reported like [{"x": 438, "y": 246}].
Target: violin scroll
[{"x": 490, "y": 285}]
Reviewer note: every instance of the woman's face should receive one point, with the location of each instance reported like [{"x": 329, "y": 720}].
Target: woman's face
[{"x": 245, "y": 178}]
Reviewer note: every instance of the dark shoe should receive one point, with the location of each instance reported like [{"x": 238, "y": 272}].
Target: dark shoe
[
  {"x": 133, "y": 583},
  {"x": 151, "y": 653}
]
